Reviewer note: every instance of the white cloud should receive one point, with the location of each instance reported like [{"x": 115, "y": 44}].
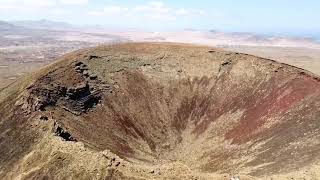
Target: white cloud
[
  {"x": 110, "y": 10},
  {"x": 41, "y": 9},
  {"x": 153, "y": 7},
  {"x": 163, "y": 17},
  {"x": 58, "y": 11},
  {"x": 156, "y": 3},
  {"x": 19, "y": 4},
  {"x": 25, "y": 6},
  {"x": 73, "y": 2},
  {"x": 185, "y": 12},
  {"x": 153, "y": 10},
  {"x": 182, "y": 12},
  {"x": 150, "y": 10},
  {"x": 32, "y": 5}
]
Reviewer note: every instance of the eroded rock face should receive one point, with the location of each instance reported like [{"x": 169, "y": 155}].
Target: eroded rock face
[
  {"x": 178, "y": 106},
  {"x": 64, "y": 134},
  {"x": 77, "y": 98}
]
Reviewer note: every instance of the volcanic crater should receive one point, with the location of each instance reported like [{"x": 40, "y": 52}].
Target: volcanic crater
[{"x": 161, "y": 111}]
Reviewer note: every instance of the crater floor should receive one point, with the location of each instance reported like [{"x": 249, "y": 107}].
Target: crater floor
[{"x": 161, "y": 111}]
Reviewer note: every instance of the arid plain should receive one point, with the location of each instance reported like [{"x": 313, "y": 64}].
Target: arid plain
[{"x": 24, "y": 49}]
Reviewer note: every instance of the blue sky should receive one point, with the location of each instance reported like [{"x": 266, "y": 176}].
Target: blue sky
[{"x": 266, "y": 16}]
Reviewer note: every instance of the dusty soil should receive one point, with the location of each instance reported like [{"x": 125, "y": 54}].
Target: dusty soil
[
  {"x": 161, "y": 111},
  {"x": 306, "y": 58}
]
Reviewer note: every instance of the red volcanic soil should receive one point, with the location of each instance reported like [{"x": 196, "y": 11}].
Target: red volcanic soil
[
  {"x": 161, "y": 111},
  {"x": 279, "y": 101}
]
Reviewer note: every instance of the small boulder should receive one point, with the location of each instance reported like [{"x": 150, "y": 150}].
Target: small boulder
[
  {"x": 43, "y": 118},
  {"x": 78, "y": 63},
  {"x": 93, "y": 76},
  {"x": 85, "y": 73}
]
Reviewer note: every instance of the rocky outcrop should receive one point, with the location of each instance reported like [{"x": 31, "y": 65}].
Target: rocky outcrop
[
  {"x": 81, "y": 68},
  {"x": 79, "y": 97},
  {"x": 61, "y": 132},
  {"x": 76, "y": 99}
]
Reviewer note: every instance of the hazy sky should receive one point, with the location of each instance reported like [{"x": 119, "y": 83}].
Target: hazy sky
[{"x": 264, "y": 16}]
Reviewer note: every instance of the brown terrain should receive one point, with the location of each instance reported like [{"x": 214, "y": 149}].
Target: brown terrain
[
  {"x": 161, "y": 111},
  {"x": 302, "y": 57}
]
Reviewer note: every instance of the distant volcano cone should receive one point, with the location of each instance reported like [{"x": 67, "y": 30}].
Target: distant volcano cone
[{"x": 161, "y": 111}]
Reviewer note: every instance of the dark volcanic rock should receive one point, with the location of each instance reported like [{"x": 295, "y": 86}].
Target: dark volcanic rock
[{"x": 59, "y": 131}]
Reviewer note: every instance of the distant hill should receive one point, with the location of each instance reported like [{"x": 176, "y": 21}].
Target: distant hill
[
  {"x": 7, "y": 26},
  {"x": 43, "y": 24}
]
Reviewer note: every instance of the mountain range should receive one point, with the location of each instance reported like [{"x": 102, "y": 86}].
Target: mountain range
[{"x": 100, "y": 34}]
